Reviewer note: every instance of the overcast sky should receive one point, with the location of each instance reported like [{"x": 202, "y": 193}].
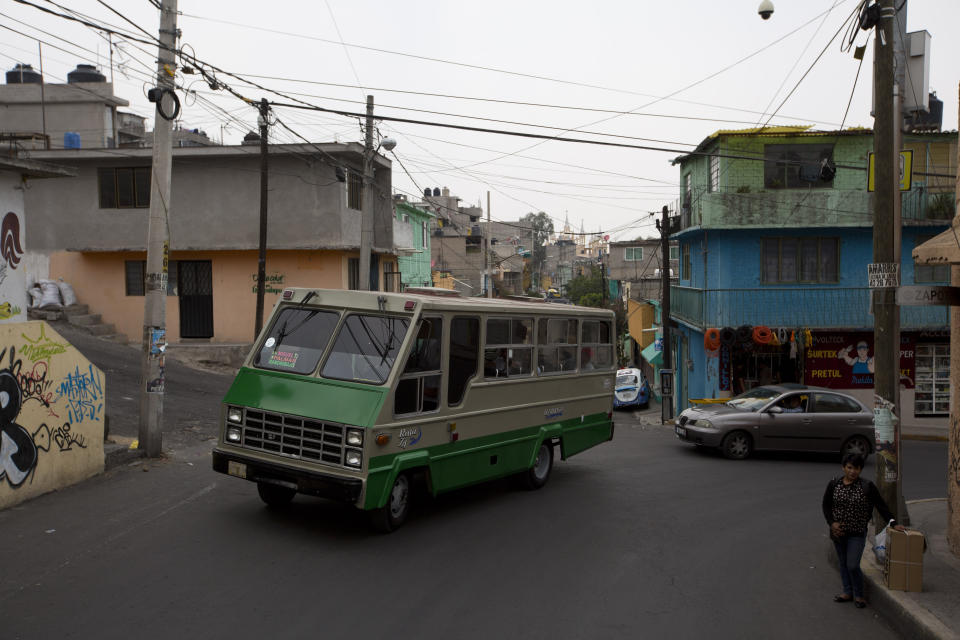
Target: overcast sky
[{"x": 684, "y": 68}]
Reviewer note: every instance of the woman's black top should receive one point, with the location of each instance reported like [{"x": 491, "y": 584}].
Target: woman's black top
[{"x": 852, "y": 505}]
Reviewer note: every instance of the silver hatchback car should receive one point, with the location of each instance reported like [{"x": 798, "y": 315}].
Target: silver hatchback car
[{"x": 780, "y": 418}]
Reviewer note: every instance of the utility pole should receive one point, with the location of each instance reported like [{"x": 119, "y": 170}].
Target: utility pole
[
  {"x": 486, "y": 254},
  {"x": 43, "y": 101},
  {"x": 262, "y": 258},
  {"x": 154, "y": 342},
  {"x": 886, "y": 251},
  {"x": 666, "y": 405},
  {"x": 366, "y": 216},
  {"x": 953, "y": 437}
]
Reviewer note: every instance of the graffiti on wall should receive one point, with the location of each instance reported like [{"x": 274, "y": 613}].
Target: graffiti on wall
[
  {"x": 52, "y": 407},
  {"x": 272, "y": 283},
  {"x": 11, "y": 279}
]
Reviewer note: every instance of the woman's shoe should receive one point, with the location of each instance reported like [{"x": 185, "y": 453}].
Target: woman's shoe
[
  {"x": 860, "y": 604},
  {"x": 843, "y": 598}
]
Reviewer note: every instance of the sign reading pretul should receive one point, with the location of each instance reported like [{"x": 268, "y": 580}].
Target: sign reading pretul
[{"x": 883, "y": 274}]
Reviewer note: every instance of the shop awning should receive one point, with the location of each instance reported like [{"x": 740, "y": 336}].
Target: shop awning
[{"x": 651, "y": 355}]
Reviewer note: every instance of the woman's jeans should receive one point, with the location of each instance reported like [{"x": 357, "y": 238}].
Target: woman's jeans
[{"x": 849, "y": 551}]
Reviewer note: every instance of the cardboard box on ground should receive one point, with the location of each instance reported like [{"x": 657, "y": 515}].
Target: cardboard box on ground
[{"x": 904, "y": 566}]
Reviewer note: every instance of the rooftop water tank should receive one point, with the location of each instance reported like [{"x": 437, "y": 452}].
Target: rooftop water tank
[
  {"x": 71, "y": 140},
  {"x": 85, "y": 73},
  {"x": 23, "y": 74}
]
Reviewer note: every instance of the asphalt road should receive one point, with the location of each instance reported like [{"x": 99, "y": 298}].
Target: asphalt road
[{"x": 641, "y": 537}]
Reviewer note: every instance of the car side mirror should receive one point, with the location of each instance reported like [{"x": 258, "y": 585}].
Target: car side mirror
[{"x": 775, "y": 409}]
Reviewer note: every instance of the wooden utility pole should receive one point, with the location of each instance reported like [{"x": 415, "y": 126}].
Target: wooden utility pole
[
  {"x": 666, "y": 404},
  {"x": 886, "y": 251},
  {"x": 366, "y": 215},
  {"x": 154, "y": 341},
  {"x": 262, "y": 257}
]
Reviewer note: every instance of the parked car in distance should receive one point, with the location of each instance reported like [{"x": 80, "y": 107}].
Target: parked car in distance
[
  {"x": 788, "y": 417},
  {"x": 632, "y": 389}
]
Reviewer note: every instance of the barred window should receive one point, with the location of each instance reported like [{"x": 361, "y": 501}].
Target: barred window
[
  {"x": 800, "y": 260},
  {"x": 124, "y": 187}
]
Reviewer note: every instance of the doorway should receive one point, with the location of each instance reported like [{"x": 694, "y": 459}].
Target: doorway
[{"x": 195, "y": 284}]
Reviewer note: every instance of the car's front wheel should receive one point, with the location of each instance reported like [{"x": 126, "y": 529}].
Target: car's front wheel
[
  {"x": 857, "y": 445},
  {"x": 737, "y": 445}
]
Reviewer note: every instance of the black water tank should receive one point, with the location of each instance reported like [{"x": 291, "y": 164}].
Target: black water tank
[
  {"x": 23, "y": 74},
  {"x": 436, "y": 191},
  {"x": 85, "y": 73},
  {"x": 426, "y": 192}
]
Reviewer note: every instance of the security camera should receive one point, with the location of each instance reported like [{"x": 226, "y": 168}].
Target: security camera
[{"x": 765, "y": 9}]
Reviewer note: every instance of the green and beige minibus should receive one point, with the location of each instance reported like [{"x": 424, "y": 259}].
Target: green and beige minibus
[{"x": 351, "y": 395}]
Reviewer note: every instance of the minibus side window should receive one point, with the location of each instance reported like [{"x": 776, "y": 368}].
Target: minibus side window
[
  {"x": 418, "y": 390},
  {"x": 464, "y": 356},
  {"x": 596, "y": 350},
  {"x": 508, "y": 351},
  {"x": 366, "y": 348},
  {"x": 296, "y": 340},
  {"x": 557, "y": 339}
]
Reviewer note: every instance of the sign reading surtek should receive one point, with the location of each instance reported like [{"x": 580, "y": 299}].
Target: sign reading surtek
[{"x": 882, "y": 275}]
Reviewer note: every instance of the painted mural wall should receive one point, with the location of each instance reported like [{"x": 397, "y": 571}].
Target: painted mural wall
[
  {"x": 13, "y": 281},
  {"x": 52, "y": 405}
]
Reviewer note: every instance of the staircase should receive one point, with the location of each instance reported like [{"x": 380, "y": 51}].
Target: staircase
[{"x": 79, "y": 315}]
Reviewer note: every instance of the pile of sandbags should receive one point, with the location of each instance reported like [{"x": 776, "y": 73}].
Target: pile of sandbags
[{"x": 51, "y": 294}]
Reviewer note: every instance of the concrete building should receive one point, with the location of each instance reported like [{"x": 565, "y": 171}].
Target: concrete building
[
  {"x": 92, "y": 230},
  {"x": 636, "y": 264},
  {"x": 780, "y": 242}
]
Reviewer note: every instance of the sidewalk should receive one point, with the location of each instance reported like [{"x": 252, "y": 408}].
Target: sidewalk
[{"x": 933, "y": 613}]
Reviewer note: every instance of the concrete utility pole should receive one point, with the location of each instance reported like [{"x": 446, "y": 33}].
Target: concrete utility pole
[
  {"x": 486, "y": 253},
  {"x": 666, "y": 406},
  {"x": 886, "y": 250},
  {"x": 262, "y": 258},
  {"x": 158, "y": 247},
  {"x": 366, "y": 216},
  {"x": 953, "y": 445}
]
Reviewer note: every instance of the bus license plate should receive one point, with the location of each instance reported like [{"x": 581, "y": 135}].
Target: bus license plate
[
  {"x": 237, "y": 469},
  {"x": 681, "y": 432}
]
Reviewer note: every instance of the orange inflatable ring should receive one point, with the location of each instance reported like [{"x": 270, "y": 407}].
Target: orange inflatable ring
[
  {"x": 711, "y": 339},
  {"x": 762, "y": 335}
]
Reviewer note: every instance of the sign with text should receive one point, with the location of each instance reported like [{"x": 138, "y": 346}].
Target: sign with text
[
  {"x": 905, "y": 169},
  {"x": 920, "y": 295},
  {"x": 844, "y": 360},
  {"x": 882, "y": 275}
]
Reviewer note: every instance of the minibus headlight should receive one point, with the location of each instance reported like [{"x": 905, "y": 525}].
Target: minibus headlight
[
  {"x": 233, "y": 434},
  {"x": 354, "y": 437},
  {"x": 354, "y": 458},
  {"x": 235, "y": 415}
]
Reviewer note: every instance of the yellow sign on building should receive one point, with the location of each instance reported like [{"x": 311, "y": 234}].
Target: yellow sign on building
[{"x": 906, "y": 171}]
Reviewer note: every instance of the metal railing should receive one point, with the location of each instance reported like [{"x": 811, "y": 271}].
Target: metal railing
[{"x": 813, "y": 307}]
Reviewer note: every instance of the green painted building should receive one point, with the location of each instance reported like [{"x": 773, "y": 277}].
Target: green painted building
[{"x": 412, "y": 236}]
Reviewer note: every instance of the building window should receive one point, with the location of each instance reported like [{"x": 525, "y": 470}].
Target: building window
[
  {"x": 135, "y": 273},
  {"x": 424, "y": 235},
  {"x": 685, "y": 262},
  {"x": 633, "y": 254},
  {"x": 354, "y": 190},
  {"x": 930, "y": 272},
  {"x": 795, "y": 166},
  {"x": 674, "y": 252},
  {"x": 800, "y": 260},
  {"x": 687, "y": 191},
  {"x": 713, "y": 184},
  {"x": 932, "y": 380},
  {"x": 124, "y": 187},
  {"x": 353, "y": 273}
]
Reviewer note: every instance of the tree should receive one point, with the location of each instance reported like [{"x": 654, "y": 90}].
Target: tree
[
  {"x": 586, "y": 283},
  {"x": 542, "y": 227}
]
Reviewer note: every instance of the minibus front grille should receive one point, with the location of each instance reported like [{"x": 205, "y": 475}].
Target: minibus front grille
[{"x": 312, "y": 440}]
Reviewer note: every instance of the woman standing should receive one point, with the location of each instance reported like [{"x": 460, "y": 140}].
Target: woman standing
[{"x": 848, "y": 504}]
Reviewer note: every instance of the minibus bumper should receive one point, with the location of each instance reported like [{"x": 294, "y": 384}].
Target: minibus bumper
[{"x": 307, "y": 482}]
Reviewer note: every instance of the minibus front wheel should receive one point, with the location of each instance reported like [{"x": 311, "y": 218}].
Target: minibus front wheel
[
  {"x": 393, "y": 514},
  {"x": 275, "y": 495}
]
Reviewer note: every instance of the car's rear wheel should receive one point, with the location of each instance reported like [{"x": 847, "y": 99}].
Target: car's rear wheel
[
  {"x": 737, "y": 445},
  {"x": 857, "y": 445},
  {"x": 274, "y": 495}
]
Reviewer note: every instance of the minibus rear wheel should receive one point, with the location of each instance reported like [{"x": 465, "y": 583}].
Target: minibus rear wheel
[
  {"x": 274, "y": 495},
  {"x": 537, "y": 475},
  {"x": 393, "y": 514}
]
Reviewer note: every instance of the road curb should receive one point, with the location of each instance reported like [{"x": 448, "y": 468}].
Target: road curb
[
  {"x": 924, "y": 437},
  {"x": 907, "y": 617}
]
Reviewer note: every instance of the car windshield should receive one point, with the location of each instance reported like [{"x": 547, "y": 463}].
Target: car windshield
[
  {"x": 366, "y": 348},
  {"x": 627, "y": 381},
  {"x": 296, "y": 340},
  {"x": 754, "y": 399}
]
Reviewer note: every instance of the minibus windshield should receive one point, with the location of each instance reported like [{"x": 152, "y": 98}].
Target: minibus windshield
[
  {"x": 297, "y": 340},
  {"x": 366, "y": 348}
]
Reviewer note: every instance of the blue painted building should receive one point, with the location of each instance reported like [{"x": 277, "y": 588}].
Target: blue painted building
[{"x": 774, "y": 248}]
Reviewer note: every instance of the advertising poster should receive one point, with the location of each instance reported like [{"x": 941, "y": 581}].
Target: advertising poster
[{"x": 844, "y": 360}]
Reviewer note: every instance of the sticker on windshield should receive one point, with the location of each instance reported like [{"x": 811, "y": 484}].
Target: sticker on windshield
[
  {"x": 270, "y": 342},
  {"x": 284, "y": 359}
]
